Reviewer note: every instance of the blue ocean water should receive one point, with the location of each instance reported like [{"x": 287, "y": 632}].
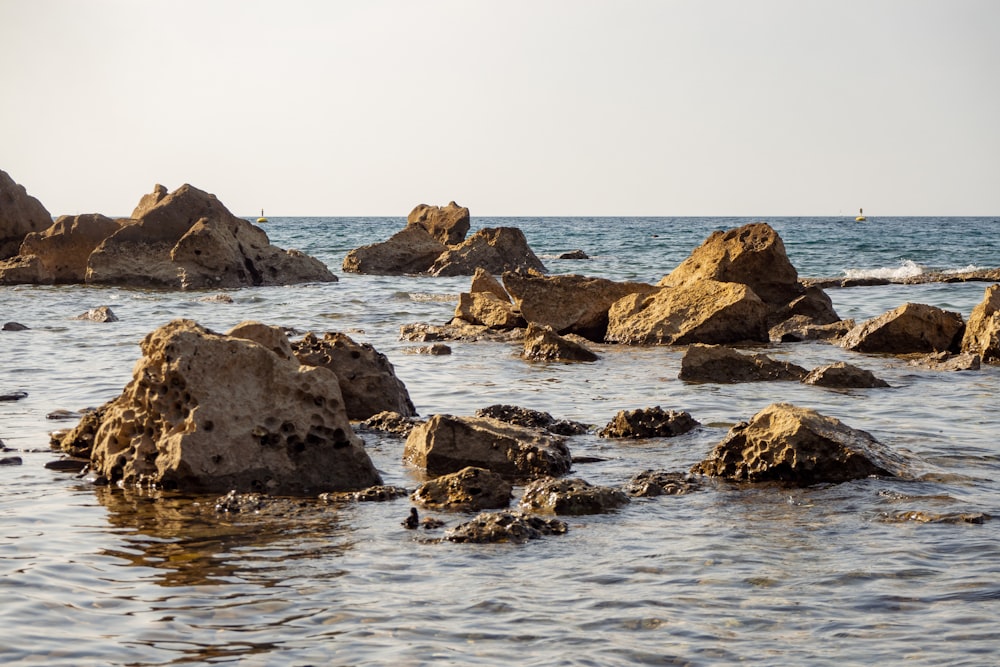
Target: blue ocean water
[{"x": 836, "y": 574}]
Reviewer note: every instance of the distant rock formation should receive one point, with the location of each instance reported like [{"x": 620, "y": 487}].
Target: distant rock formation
[{"x": 448, "y": 224}]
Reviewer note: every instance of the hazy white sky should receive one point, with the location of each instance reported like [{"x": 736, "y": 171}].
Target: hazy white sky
[{"x": 514, "y": 107}]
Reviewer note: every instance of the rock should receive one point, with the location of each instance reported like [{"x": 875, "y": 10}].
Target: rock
[
  {"x": 569, "y": 303},
  {"x": 368, "y": 381},
  {"x": 798, "y": 328},
  {"x": 207, "y": 412},
  {"x": 23, "y": 270},
  {"x": 11, "y": 461},
  {"x": 489, "y": 310},
  {"x": 574, "y": 254},
  {"x": 651, "y": 483},
  {"x": 982, "y": 333},
  {"x": 469, "y": 489},
  {"x": 449, "y": 224},
  {"x": 724, "y": 365},
  {"x": 528, "y": 418},
  {"x": 64, "y": 248},
  {"x": 843, "y": 376},
  {"x": 911, "y": 328},
  {"x": 648, "y": 423},
  {"x": 493, "y": 249},
  {"x": 14, "y": 326},
  {"x": 147, "y": 202},
  {"x": 945, "y": 361},
  {"x": 11, "y": 396},
  {"x": 484, "y": 281},
  {"x": 408, "y": 251},
  {"x": 459, "y": 330},
  {"x": 99, "y": 314},
  {"x": 570, "y": 496},
  {"x": 490, "y": 527},
  {"x": 907, "y": 516},
  {"x": 57, "y": 415},
  {"x": 541, "y": 343},
  {"x": 378, "y": 493},
  {"x": 20, "y": 215},
  {"x": 70, "y": 465},
  {"x": 785, "y": 443},
  {"x": 435, "y": 350},
  {"x": 78, "y": 442},
  {"x": 273, "y": 338},
  {"x": 700, "y": 312},
  {"x": 216, "y": 298},
  {"x": 390, "y": 422},
  {"x": 446, "y": 444}
]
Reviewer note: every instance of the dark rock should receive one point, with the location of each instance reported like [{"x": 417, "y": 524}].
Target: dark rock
[
  {"x": 715, "y": 363},
  {"x": 377, "y": 493},
  {"x": 519, "y": 416},
  {"x": 457, "y": 330},
  {"x": 390, "y": 422},
  {"x": 468, "y": 489},
  {"x": 800, "y": 327},
  {"x": 516, "y": 527},
  {"x": 574, "y": 254},
  {"x": 11, "y": 461},
  {"x": 650, "y": 483},
  {"x": 435, "y": 350},
  {"x": 14, "y": 326},
  {"x": 570, "y": 497},
  {"x": 13, "y": 396},
  {"x": 946, "y": 361},
  {"x": 648, "y": 423},
  {"x": 68, "y": 465}
]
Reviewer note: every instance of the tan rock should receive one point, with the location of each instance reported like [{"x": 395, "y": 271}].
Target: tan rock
[
  {"x": 724, "y": 365},
  {"x": 484, "y": 281},
  {"x": 147, "y": 202},
  {"x": 541, "y": 343},
  {"x": 493, "y": 249},
  {"x": 466, "y": 490},
  {"x": 20, "y": 215},
  {"x": 272, "y": 337},
  {"x": 946, "y": 361},
  {"x": 844, "y": 376},
  {"x": 982, "y": 333},
  {"x": 23, "y": 270},
  {"x": 911, "y": 328},
  {"x": 487, "y": 309},
  {"x": 798, "y": 328},
  {"x": 448, "y": 224},
  {"x": 570, "y": 497},
  {"x": 65, "y": 246},
  {"x": 408, "y": 251}
]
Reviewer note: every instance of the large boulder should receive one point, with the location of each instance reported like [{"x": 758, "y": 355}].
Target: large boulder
[
  {"x": 982, "y": 333},
  {"x": 207, "y": 412},
  {"x": 724, "y": 365},
  {"x": 493, "y": 249},
  {"x": 909, "y": 329},
  {"x": 541, "y": 343},
  {"x": 408, "y": 251},
  {"x": 448, "y": 224},
  {"x": 570, "y": 496},
  {"x": 368, "y": 380},
  {"x": 64, "y": 248},
  {"x": 569, "y": 303},
  {"x": 704, "y": 311},
  {"x": 446, "y": 444},
  {"x": 789, "y": 444},
  {"x": 469, "y": 489},
  {"x": 20, "y": 215}
]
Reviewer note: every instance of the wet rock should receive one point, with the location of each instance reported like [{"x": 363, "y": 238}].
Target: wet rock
[
  {"x": 79, "y": 441},
  {"x": 216, "y": 298},
  {"x": 14, "y": 326},
  {"x": 813, "y": 306},
  {"x": 489, "y": 310},
  {"x": 916, "y": 516},
  {"x": 570, "y": 497},
  {"x": 946, "y": 361},
  {"x": 207, "y": 412},
  {"x": 574, "y": 254},
  {"x": 99, "y": 314},
  {"x": 390, "y": 422},
  {"x": 842, "y": 375},
  {"x": 528, "y": 418},
  {"x": 448, "y": 224},
  {"x": 715, "y": 363},
  {"x": 648, "y": 423},
  {"x": 378, "y": 493},
  {"x": 368, "y": 381},
  {"x": 56, "y": 415},
  {"x": 799, "y": 328},
  {"x": 20, "y": 215},
  {"x": 10, "y": 461},
  {"x": 490, "y": 527},
  {"x": 493, "y": 249},
  {"x": 446, "y": 444},
  {"x": 542, "y": 343},
  {"x": 911, "y": 328},
  {"x": 435, "y": 350},
  {"x": 982, "y": 333},
  {"x": 468, "y": 489},
  {"x": 12, "y": 396},
  {"x": 651, "y": 483},
  {"x": 409, "y": 251},
  {"x": 64, "y": 248},
  {"x": 236, "y": 503},
  {"x": 70, "y": 465},
  {"x": 457, "y": 330},
  {"x": 789, "y": 444}
]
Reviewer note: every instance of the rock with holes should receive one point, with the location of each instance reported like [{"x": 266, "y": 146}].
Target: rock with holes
[
  {"x": 469, "y": 489},
  {"x": 209, "y": 412},
  {"x": 64, "y": 248},
  {"x": 651, "y": 483},
  {"x": 513, "y": 414},
  {"x": 648, "y": 423},
  {"x": 570, "y": 496},
  {"x": 517, "y": 527},
  {"x": 724, "y": 365},
  {"x": 982, "y": 333}
]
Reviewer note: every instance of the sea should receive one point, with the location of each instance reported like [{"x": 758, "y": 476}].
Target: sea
[{"x": 875, "y": 571}]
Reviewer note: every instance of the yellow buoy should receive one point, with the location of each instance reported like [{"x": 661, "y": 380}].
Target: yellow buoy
[
  {"x": 261, "y": 218},
  {"x": 861, "y": 215}
]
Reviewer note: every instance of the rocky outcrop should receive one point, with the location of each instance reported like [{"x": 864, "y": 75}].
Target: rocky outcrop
[
  {"x": 368, "y": 381},
  {"x": 469, "y": 489},
  {"x": 911, "y": 328},
  {"x": 569, "y": 303},
  {"x": 271, "y": 337},
  {"x": 487, "y": 309},
  {"x": 20, "y": 215},
  {"x": 841, "y": 375},
  {"x": 648, "y": 423},
  {"x": 64, "y": 248},
  {"x": 528, "y": 418},
  {"x": 789, "y": 444},
  {"x": 484, "y": 281},
  {"x": 982, "y": 333},
  {"x": 570, "y": 497},
  {"x": 208, "y": 412},
  {"x": 446, "y": 444},
  {"x": 541, "y": 343},
  {"x": 493, "y": 249},
  {"x": 516, "y": 527},
  {"x": 448, "y": 224},
  {"x": 408, "y": 251},
  {"x": 651, "y": 483},
  {"x": 724, "y": 365}
]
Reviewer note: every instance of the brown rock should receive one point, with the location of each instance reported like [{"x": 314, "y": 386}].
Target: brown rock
[
  {"x": 982, "y": 333},
  {"x": 574, "y": 254},
  {"x": 487, "y": 309},
  {"x": 468, "y": 489},
  {"x": 390, "y": 422},
  {"x": 408, "y": 251},
  {"x": 513, "y": 414},
  {"x": 457, "y": 330},
  {"x": 700, "y": 312},
  {"x": 800, "y": 327},
  {"x": 434, "y": 350},
  {"x": 570, "y": 497},
  {"x": 715, "y": 363},
  {"x": 23, "y": 270},
  {"x": 785, "y": 443},
  {"x": 946, "y": 361},
  {"x": 20, "y": 215},
  {"x": 64, "y": 248},
  {"x": 648, "y": 423},
  {"x": 541, "y": 343},
  {"x": 911, "y": 328},
  {"x": 844, "y": 376},
  {"x": 448, "y": 224},
  {"x": 447, "y": 444},
  {"x": 493, "y": 527},
  {"x": 494, "y": 250},
  {"x": 147, "y": 202},
  {"x": 273, "y": 338},
  {"x": 484, "y": 281},
  {"x": 208, "y": 412}
]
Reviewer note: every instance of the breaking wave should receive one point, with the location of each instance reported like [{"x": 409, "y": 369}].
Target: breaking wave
[{"x": 906, "y": 269}]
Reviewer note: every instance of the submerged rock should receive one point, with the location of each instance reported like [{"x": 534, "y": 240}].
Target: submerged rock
[
  {"x": 99, "y": 314},
  {"x": 911, "y": 328},
  {"x": 843, "y": 376},
  {"x": 516, "y": 527},
  {"x": 724, "y": 365},
  {"x": 570, "y": 497},
  {"x": 468, "y": 489},
  {"x": 946, "y": 361},
  {"x": 651, "y": 483},
  {"x": 390, "y": 422},
  {"x": 648, "y": 423},
  {"x": 378, "y": 493}
]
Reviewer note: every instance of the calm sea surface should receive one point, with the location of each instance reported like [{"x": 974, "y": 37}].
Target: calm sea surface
[{"x": 830, "y": 575}]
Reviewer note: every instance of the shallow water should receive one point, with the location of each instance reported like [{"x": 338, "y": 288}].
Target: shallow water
[{"x": 834, "y": 574}]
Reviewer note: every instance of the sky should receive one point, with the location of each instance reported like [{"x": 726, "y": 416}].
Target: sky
[{"x": 511, "y": 108}]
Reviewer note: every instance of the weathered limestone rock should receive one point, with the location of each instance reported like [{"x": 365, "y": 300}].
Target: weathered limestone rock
[
  {"x": 78, "y": 442},
  {"x": 700, "y": 312},
  {"x": 569, "y": 303},
  {"x": 946, "y": 361},
  {"x": 468, "y": 489},
  {"x": 798, "y": 328},
  {"x": 23, "y": 270},
  {"x": 448, "y": 224},
  {"x": 271, "y": 337},
  {"x": 64, "y": 248},
  {"x": 148, "y": 201},
  {"x": 421, "y": 332},
  {"x": 844, "y": 376},
  {"x": 368, "y": 381},
  {"x": 490, "y": 527},
  {"x": 541, "y": 343},
  {"x": 446, "y": 444},
  {"x": 785, "y": 443},
  {"x": 526, "y": 417},
  {"x": 911, "y": 328},
  {"x": 209, "y": 412},
  {"x": 434, "y": 350},
  {"x": 493, "y": 249},
  {"x": 487, "y": 309},
  {"x": 651, "y": 483},
  {"x": 410, "y": 250},
  {"x": 20, "y": 215},
  {"x": 390, "y": 422},
  {"x": 484, "y": 281},
  {"x": 99, "y": 314},
  {"x": 570, "y": 497},
  {"x": 724, "y": 365},
  {"x": 814, "y": 306},
  {"x": 648, "y": 423},
  {"x": 982, "y": 333}
]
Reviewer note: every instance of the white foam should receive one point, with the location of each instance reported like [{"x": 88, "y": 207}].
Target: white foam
[
  {"x": 906, "y": 269},
  {"x": 965, "y": 269}
]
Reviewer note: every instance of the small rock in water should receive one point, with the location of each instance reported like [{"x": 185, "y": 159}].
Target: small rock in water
[
  {"x": 14, "y": 326},
  {"x": 63, "y": 414},
  {"x": 14, "y": 396},
  {"x": 11, "y": 461},
  {"x": 67, "y": 465},
  {"x": 413, "y": 520},
  {"x": 99, "y": 314},
  {"x": 574, "y": 254}
]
